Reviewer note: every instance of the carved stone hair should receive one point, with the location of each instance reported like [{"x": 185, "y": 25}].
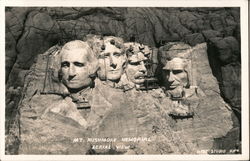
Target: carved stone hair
[{"x": 116, "y": 41}]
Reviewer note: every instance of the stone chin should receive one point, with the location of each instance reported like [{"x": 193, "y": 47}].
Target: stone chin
[
  {"x": 172, "y": 87},
  {"x": 114, "y": 75},
  {"x": 176, "y": 92},
  {"x": 75, "y": 85}
]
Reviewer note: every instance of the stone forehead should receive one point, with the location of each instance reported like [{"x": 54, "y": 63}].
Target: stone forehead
[
  {"x": 174, "y": 50},
  {"x": 176, "y": 64},
  {"x": 137, "y": 57}
]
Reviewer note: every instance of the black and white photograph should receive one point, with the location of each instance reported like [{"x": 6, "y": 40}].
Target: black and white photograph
[{"x": 125, "y": 81}]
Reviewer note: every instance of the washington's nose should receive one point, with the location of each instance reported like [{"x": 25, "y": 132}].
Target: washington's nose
[{"x": 72, "y": 72}]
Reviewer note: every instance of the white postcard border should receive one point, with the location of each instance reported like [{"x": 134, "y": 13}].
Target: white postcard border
[{"x": 243, "y": 4}]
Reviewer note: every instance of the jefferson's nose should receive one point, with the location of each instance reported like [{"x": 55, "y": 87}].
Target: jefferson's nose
[{"x": 112, "y": 62}]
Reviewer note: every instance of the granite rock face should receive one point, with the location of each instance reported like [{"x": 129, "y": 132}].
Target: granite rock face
[
  {"x": 32, "y": 31},
  {"x": 133, "y": 114}
]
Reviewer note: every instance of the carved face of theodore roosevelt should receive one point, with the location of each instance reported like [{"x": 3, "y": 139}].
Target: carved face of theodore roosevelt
[
  {"x": 136, "y": 69},
  {"x": 77, "y": 64}
]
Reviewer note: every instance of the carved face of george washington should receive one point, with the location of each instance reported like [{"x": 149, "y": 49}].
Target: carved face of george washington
[{"x": 77, "y": 64}]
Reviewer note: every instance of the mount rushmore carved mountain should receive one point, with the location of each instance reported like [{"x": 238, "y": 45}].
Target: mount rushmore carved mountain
[{"x": 30, "y": 32}]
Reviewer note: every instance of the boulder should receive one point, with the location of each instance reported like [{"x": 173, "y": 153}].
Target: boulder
[
  {"x": 228, "y": 49},
  {"x": 194, "y": 39}
]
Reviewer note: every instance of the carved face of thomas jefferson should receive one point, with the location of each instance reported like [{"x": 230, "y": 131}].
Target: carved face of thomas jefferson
[{"x": 112, "y": 59}]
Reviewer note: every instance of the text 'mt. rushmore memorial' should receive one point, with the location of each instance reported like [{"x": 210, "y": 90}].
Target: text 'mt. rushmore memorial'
[{"x": 123, "y": 81}]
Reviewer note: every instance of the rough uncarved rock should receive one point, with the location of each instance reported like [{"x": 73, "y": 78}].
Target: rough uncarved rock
[
  {"x": 209, "y": 34},
  {"x": 50, "y": 134},
  {"x": 228, "y": 49},
  {"x": 194, "y": 39},
  {"x": 231, "y": 88},
  {"x": 11, "y": 53}
]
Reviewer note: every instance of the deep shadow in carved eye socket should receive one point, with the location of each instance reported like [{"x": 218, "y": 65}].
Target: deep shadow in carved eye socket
[
  {"x": 129, "y": 54},
  {"x": 166, "y": 72},
  {"x": 141, "y": 47},
  {"x": 134, "y": 63},
  {"x": 101, "y": 56},
  {"x": 130, "y": 48},
  {"x": 177, "y": 71},
  {"x": 103, "y": 47},
  {"x": 79, "y": 64},
  {"x": 146, "y": 62},
  {"x": 112, "y": 42},
  {"x": 64, "y": 64},
  {"x": 106, "y": 55},
  {"x": 116, "y": 54},
  {"x": 118, "y": 46}
]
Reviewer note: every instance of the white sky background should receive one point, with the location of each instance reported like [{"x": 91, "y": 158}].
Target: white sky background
[{"x": 134, "y": 3}]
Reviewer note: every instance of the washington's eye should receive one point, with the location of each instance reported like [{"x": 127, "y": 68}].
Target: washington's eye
[
  {"x": 117, "y": 54},
  {"x": 177, "y": 71},
  {"x": 101, "y": 56},
  {"x": 78, "y": 64},
  {"x": 65, "y": 64},
  {"x": 106, "y": 55}
]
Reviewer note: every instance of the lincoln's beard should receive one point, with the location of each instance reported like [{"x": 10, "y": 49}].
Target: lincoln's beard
[{"x": 177, "y": 92}]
